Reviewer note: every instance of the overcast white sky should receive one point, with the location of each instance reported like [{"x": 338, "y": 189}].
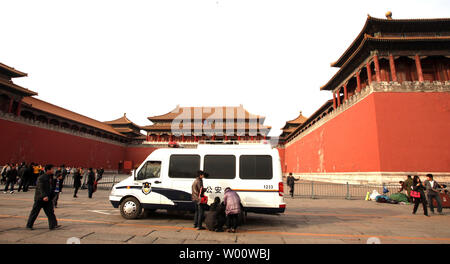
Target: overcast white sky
[{"x": 104, "y": 58}]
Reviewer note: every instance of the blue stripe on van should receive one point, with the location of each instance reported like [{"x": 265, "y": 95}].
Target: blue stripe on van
[{"x": 171, "y": 194}]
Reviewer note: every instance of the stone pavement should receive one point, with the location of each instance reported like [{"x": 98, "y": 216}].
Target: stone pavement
[{"x": 306, "y": 221}]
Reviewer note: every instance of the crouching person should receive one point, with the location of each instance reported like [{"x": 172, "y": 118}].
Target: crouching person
[
  {"x": 233, "y": 208},
  {"x": 215, "y": 217}
]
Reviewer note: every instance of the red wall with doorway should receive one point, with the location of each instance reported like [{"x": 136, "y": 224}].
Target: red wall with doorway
[{"x": 138, "y": 154}]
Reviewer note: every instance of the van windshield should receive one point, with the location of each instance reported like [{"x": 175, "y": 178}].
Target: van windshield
[{"x": 151, "y": 169}]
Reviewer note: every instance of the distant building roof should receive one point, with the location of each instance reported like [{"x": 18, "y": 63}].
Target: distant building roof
[
  {"x": 205, "y": 112},
  {"x": 125, "y": 126}
]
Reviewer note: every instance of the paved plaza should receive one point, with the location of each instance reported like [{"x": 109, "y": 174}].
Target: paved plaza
[{"x": 306, "y": 221}]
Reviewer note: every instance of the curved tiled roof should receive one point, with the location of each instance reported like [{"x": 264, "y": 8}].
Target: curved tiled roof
[
  {"x": 205, "y": 112},
  {"x": 67, "y": 114},
  {"x": 16, "y": 88},
  {"x": 370, "y": 43},
  {"x": 10, "y": 71},
  {"x": 122, "y": 121},
  {"x": 374, "y": 25}
]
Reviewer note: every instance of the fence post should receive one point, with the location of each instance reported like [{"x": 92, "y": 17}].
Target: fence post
[
  {"x": 312, "y": 190},
  {"x": 348, "y": 192}
]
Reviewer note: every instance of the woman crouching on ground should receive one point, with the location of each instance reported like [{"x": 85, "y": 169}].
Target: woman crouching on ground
[{"x": 233, "y": 208}]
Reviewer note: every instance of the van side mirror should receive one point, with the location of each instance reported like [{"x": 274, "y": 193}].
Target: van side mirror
[{"x": 134, "y": 174}]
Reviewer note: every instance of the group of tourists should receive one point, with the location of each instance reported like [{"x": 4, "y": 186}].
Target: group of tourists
[
  {"x": 26, "y": 175},
  {"x": 421, "y": 193},
  {"x": 219, "y": 213}
]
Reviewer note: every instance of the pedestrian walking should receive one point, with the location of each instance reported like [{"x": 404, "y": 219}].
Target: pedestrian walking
[
  {"x": 28, "y": 175},
  {"x": 90, "y": 182},
  {"x": 11, "y": 177},
  {"x": 419, "y": 195},
  {"x": 77, "y": 175},
  {"x": 431, "y": 187},
  {"x": 43, "y": 200},
  {"x": 21, "y": 174},
  {"x": 64, "y": 173},
  {"x": 408, "y": 183},
  {"x": 232, "y": 202},
  {"x": 197, "y": 195},
  {"x": 56, "y": 188},
  {"x": 291, "y": 183}
]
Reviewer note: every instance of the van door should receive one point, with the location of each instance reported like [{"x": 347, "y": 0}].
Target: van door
[
  {"x": 148, "y": 177},
  {"x": 182, "y": 173}
]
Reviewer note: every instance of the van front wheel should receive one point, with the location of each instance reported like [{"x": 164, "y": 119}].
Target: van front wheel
[{"x": 130, "y": 208}]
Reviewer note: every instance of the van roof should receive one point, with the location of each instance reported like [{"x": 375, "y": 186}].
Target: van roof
[{"x": 225, "y": 146}]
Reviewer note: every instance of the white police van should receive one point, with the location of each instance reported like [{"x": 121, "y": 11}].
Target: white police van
[{"x": 164, "y": 180}]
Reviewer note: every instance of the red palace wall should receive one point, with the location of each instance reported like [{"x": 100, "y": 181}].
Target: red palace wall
[
  {"x": 413, "y": 131},
  {"x": 19, "y": 142},
  {"x": 345, "y": 143},
  {"x": 391, "y": 132},
  {"x": 281, "y": 152}
]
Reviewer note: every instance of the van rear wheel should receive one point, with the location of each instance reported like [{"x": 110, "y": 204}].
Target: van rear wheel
[{"x": 130, "y": 208}]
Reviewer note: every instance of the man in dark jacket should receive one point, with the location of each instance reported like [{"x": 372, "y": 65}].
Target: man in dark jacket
[
  {"x": 432, "y": 187},
  {"x": 43, "y": 199},
  {"x": 197, "y": 194},
  {"x": 64, "y": 174},
  {"x": 291, "y": 183},
  {"x": 77, "y": 180},
  {"x": 21, "y": 173},
  {"x": 90, "y": 182}
]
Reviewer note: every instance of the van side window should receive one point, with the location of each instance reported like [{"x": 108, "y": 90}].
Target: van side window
[
  {"x": 184, "y": 166},
  {"x": 255, "y": 167},
  {"x": 151, "y": 169},
  {"x": 220, "y": 166}
]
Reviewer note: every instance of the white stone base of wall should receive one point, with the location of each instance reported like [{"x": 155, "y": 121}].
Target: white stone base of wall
[{"x": 369, "y": 177}]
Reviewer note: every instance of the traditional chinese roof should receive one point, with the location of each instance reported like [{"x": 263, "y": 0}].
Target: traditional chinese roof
[
  {"x": 122, "y": 121},
  {"x": 406, "y": 27},
  {"x": 311, "y": 119},
  {"x": 14, "y": 88},
  {"x": 67, "y": 114},
  {"x": 125, "y": 126},
  {"x": 10, "y": 71},
  {"x": 205, "y": 112},
  {"x": 300, "y": 119},
  {"x": 424, "y": 45}
]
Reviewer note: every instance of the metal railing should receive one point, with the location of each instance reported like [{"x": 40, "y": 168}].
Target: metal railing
[
  {"x": 315, "y": 190},
  {"x": 106, "y": 182}
]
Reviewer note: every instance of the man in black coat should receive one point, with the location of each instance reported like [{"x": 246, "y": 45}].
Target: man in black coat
[
  {"x": 43, "y": 199},
  {"x": 291, "y": 183},
  {"x": 21, "y": 173},
  {"x": 77, "y": 181},
  {"x": 90, "y": 182}
]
